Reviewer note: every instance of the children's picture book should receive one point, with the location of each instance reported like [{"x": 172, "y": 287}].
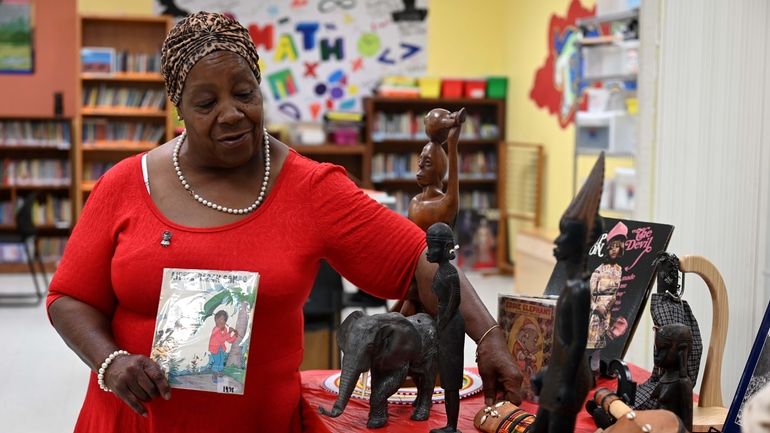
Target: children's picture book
[
  {"x": 203, "y": 328},
  {"x": 528, "y": 324},
  {"x": 621, "y": 270},
  {"x": 97, "y": 60}
]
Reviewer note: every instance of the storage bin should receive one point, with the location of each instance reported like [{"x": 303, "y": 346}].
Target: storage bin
[
  {"x": 475, "y": 89},
  {"x": 451, "y": 88},
  {"x": 430, "y": 87},
  {"x": 497, "y": 87}
]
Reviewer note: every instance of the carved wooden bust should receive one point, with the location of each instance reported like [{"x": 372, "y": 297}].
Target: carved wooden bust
[{"x": 433, "y": 205}]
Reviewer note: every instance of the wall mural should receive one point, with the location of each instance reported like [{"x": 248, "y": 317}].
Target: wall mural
[
  {"x": 556, "y": 86},
  {"x": 319, "y": 55}
]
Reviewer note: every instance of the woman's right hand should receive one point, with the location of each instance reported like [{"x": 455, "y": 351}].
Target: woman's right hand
[{"x": 137, "y": 379}]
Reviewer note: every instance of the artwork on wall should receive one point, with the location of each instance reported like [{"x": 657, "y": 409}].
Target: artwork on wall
[
  {"x": 556, "y": 86},
  {"x": 320, "y": 55},
  {"x": 16, "y": 42}
]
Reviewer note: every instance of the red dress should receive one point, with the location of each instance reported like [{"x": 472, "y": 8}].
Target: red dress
[{"x": 114, "y": 262}]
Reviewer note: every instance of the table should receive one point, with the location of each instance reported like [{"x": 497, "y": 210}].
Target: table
[{"x": 355, "y": 415}]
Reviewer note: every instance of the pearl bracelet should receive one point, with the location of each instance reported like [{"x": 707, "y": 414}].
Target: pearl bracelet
[{"x": 103, "y": 368}]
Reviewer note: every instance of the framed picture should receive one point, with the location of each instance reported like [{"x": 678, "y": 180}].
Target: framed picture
[
  {"x": 756, "y": 375},
  {"x": 99, "y": 60},
  {"x": 16, "y": 42}
]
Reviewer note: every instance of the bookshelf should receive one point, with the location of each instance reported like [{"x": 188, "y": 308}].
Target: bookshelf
[
  {"x": 123, "y": 110},
  {"x": 35, "y": 158},
  {"x": 395, "y": 136}
]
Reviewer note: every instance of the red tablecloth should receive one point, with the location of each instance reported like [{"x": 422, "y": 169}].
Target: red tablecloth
[{"x": 355, "y": 415}]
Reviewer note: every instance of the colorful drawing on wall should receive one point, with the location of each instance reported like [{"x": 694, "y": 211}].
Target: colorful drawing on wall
[
  {"x": 16, "y": 43},
  {"x": 324, "y": 54},
  {"x": 556, "y": 86}
]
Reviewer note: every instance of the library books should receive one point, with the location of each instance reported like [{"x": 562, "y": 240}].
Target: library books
[
  {"x": 528, "y": 324},
  {"x": 35, "y": 133},
  {"x": 203, "y": 328}
]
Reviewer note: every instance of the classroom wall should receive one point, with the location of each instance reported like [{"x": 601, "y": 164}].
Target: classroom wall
[{"x": 31, "y": 95}]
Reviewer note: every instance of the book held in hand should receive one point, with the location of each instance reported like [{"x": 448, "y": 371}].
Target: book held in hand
[{"x": 203, "y": 328}]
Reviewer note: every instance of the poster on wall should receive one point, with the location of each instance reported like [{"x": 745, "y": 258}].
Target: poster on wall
[
  {"x": 16, "y": 43},
  {"x": 321, "y": 55}
]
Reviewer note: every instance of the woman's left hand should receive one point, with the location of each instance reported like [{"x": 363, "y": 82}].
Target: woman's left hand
[{"x": 499, "y": 373}]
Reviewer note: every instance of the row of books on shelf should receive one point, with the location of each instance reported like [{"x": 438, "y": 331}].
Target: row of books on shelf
[
  {"x": 468, "y": 200},
  {"x": 410, "y": 126},
  {"x": 51, "y": 250},
  {"x": 50, "y": 210},
  {"x": 95, "y": 170},
  {"x": 107, "y": 60},
  {"x": 100, "y": 130},
  {"x": 120, "y": 96},
  {"x": 35, "y": 172},
  {"x": 35, "y": 133},
  {"x": 473, "y": 165}
]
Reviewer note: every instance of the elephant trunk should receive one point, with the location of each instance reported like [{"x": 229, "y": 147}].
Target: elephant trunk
[{"x": 348, "y": 379}]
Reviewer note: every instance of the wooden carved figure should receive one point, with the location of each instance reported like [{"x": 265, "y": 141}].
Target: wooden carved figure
[
  {"x": 433, "y": 205},
  {"x": 391, "y": 346},
  {"x": 567, "y": 379},
  {"x": 449, "y": 321},
  {"x": 674, "y": 391}
]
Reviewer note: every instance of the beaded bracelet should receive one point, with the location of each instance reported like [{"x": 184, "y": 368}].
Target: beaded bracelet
[
  {"x": 103, "y": 368},
  {"x": 482, "y": 339}
]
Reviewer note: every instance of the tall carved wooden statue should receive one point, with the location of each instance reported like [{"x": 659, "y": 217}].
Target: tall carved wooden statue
[
  {"x": 449, "y": 322},
  {"x": 568, "y": 379},
  {"x": 433, "y": 205}
]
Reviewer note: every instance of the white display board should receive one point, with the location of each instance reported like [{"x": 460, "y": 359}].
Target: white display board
[{"x": 319, "y": 55}]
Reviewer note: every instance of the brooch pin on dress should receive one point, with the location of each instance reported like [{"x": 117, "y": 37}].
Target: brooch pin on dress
[{"x": 166, "y": 240}]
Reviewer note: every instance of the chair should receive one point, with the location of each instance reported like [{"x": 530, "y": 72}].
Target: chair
[
  {"x": 322, "y": 312},
  {"x": 26, "y": 236},
  {"x": 710, "y": 410}
]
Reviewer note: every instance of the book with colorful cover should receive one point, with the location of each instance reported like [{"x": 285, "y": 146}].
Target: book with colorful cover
[
  {"x": 528, "y": 323},
  {"x": 621, "y": 270},
  {"x": 203, "y": 328}
]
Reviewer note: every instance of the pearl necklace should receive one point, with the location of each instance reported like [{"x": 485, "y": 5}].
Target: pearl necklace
[{"x": 212, "y": 205}]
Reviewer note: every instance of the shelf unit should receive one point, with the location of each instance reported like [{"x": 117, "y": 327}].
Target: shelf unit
[
  {"x": 35, "y": 158},
  {"x": 610, "y": 62},
  {"x": 395, "y": 136},
  {"x": 123, "y": 112}
]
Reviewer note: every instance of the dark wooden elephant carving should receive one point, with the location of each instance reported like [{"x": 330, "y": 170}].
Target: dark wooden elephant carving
[{"x": 391, "y": 346}]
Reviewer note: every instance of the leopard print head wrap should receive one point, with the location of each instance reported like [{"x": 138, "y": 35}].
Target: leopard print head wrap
[{"x": 196, "y": 36}]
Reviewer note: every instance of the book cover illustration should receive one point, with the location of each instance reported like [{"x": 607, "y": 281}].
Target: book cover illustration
[
  {"x": 622, "y": 275},
  {"x": 528, "y": 324},
  {"x": 203, "y": 328}
]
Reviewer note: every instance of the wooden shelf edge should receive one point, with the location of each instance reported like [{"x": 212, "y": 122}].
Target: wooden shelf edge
[
  {"x": 149, "y": 77},
  {"x": 330, "y": 149},
  {"x": 22, "y": 268},
  {"x": 119, "y": 146},
  {"x": 121, "y": 112},
  {"x": 33, "y": 187},
  {"x": 428, "y": 101},
  {"x": 154, "y": 19}
]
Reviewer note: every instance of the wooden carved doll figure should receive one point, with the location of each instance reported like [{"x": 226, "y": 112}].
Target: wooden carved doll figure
[
  {"x": 674, "y": 391},
  {"x": 432, "y": 205},
  {"x": 449, "y": 322},
  {"x": 567, "y": 379}
]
